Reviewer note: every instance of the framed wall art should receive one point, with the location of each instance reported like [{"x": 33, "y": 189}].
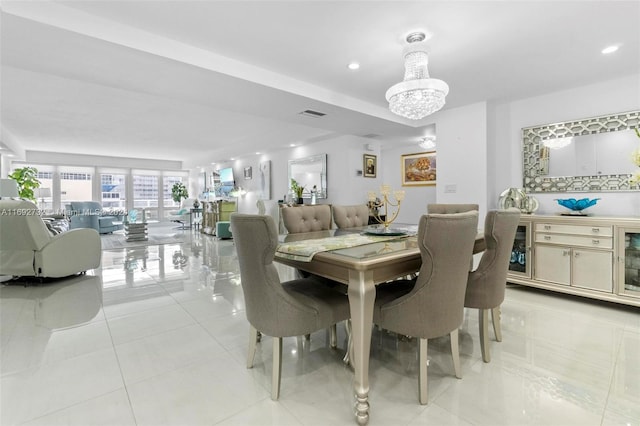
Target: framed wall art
[
  {"x": 247, "y": 173},
  {"x": 370, "y": 165},
  {"x": 419, "y": 169}
]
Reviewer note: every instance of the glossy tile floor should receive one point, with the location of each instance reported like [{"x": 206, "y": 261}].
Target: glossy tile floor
[{"x": 158, "y": 336}]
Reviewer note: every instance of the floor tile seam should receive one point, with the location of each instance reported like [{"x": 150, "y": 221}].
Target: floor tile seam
[
  {"x": 77, "y": 403},
  {"x": 153, "y": 308},
  {"x": 124, "y": 383},
  {"x": 164, "y": 330},
  {"x": 612, "y": 379},
  {"x": 14, "y": 326},
  {"x": 186, "y": 365}
]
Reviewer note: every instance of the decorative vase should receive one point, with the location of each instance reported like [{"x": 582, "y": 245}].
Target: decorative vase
[
  {"x": 196, "y": 204},
  {"x": 300, "y": 200}
]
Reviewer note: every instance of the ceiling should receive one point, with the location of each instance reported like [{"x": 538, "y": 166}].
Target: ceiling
[{"x": 204, "y": 81}]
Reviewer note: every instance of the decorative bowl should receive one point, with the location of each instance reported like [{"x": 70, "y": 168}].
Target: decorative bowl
[{"x": 577, "y": 206}]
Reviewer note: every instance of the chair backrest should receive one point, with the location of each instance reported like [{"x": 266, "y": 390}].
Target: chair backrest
[
  {"x": 486, "y": 285},
  {"x": 269, "y": 308},
  {"x": 435, "y": 305},
  {"x": 351, "y": 216},
  {"x": 307, "y": 218},
  {"x": 450, "y": 208},
  {"x": 22, "y": 232}
]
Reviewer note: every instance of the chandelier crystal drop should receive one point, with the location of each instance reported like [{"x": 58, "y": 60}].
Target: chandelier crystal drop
[{"x": 417, "y": 95}]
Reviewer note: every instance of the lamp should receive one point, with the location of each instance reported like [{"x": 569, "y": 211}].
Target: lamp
[
  {"x": 42, "y": 193},
  {"x": 8, "y": 188},
  {"x": 417, "y": 95},
  {"x": 428, "y": 142},
  {"x": 375, "y": 203}
]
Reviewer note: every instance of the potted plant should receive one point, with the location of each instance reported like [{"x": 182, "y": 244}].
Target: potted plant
[
  {"x": 297, "y": 189},
  {"x": 27, "y": 179},
  {"x": 178, "y": 192}
]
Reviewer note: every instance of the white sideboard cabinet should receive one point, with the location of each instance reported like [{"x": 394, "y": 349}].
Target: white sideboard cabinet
[{"x": 597, "y": 257}]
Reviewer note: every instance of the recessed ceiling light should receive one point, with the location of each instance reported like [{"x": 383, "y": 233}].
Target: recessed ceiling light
[
  {"x": 610, "y": 49},
  {"x": 292, "y": 145},
  {"x": 353, "y": 66},
  {"x": 257, "y": 152}
]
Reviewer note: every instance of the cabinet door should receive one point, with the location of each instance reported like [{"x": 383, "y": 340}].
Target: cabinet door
[
  {"x": 552, "y": 264},
  {"x": 520, "y": 262},
  {"x": 629, "y": 261},
  {"x": 593, "y": 270}
]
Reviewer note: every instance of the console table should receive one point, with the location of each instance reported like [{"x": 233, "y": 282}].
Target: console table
[{"x": 589, "y": 256}]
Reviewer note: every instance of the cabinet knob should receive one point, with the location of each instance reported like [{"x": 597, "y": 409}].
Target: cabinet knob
[
  {"x": 566, "y": 252},
  {"x": 595, "y": 230},
  {"x": 547, "y": 237},
  {"x": 595, "y": 241},
  {"x": 577, "y": 254},
  {"x": 547, "y": 227}
]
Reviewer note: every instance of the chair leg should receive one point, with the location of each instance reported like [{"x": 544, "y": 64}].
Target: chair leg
[
  {"x": 496, "y": 315},
  {"x": 483, "y": 318},
  {"x": 423, "y": 364},
  {"x": 455, "y": 353},
  {"x": 307, "y": 336},
  {"x": 333, "y": 336},
  {"x": 253, "y": 340},
  {"x": 277, "y": 366}
]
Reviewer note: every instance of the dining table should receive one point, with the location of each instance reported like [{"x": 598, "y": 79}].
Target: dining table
[{"x": 362, "y": 258}]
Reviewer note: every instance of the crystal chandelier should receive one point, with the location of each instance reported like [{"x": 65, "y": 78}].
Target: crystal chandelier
[
  {"x": 417, "y": 95},
  {"x": 428, "y": 142}
]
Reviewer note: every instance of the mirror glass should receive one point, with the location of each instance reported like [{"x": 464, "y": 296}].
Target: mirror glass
[
  {"x": 581, "y": 156},
  {"x": 310, "y": 172},
  {"x": 599, "y": 154}
]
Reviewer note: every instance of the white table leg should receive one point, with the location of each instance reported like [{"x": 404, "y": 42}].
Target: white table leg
[{"x": 362, "y": 295}]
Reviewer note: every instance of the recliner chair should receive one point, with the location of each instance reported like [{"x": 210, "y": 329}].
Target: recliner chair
[{"x": 27, "y": 248}]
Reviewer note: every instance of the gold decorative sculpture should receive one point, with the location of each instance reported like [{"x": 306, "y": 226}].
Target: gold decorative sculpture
[{"x": 384, "y": 201}]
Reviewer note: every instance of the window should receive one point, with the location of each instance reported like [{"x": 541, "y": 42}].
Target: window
[
  {"x": 76, "y": 184},
  {"x": 113, "y": 189}
]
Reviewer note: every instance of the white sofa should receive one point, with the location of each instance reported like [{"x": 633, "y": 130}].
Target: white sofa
[{"x": 27, "y": 248}]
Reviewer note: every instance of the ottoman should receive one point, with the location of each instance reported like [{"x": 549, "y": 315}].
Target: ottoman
[{"x": 223, "y": 229}]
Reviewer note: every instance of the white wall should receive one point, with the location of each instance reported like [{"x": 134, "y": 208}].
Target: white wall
[
  {"x": 461, "y": 148},
  {"x": 612, "y": 96}
]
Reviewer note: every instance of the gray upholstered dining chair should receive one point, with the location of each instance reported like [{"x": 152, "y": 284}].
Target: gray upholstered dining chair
[
  {"x": 292, "y": 308},
  {"x": 307, "y": 218},
  {"x": 434, "y": 305},
  {"x": 350, "y": 216},
  {"x": 451, "y": 208},
  {"x": 486, "y": 285}
]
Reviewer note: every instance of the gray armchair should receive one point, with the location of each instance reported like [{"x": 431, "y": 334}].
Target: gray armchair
[
  {"x": 433, "y": 304},
  {"x": 276, "y": 309},
  {"x": 27, "y": 248},
  {"x": 486, "y": 285},
  {"x": 351, "y": 216}
]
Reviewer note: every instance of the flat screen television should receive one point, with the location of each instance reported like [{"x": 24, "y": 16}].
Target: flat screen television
[{"x": 227, "y": 182}]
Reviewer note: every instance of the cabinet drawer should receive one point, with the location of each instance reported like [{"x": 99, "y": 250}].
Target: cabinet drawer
[
  {"x": 575, "y": 240},
  {"x": 602, "y": 231}
]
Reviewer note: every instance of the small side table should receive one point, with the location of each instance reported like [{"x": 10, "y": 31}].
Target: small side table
[{"x": 136, "y": 231}]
